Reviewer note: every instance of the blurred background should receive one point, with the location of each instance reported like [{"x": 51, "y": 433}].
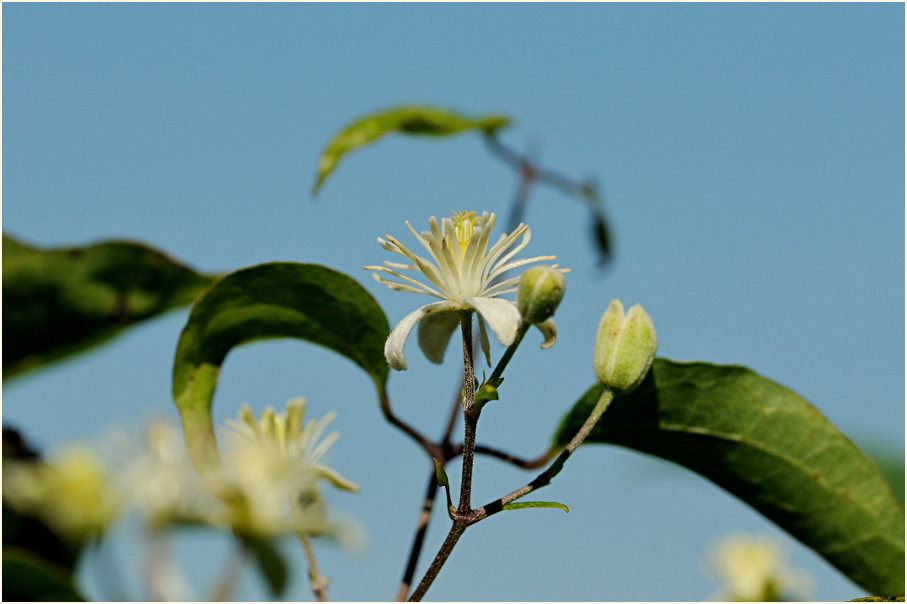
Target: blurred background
[{"x": 751, "y": 159}]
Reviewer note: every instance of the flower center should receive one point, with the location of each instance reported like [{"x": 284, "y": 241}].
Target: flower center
[{"x": 464, "y": 223}]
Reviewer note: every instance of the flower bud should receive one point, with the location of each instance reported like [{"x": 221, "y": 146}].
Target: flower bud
[
  {"x": 539, "y": 293},
  {"x": 625, "y": 347}
]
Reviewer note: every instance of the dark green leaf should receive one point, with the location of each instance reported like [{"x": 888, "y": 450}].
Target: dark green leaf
[
  {"x": 770, "y": 448},
  {"x": 426, "y": 121},
  {"x": 272, "y": 566},
  {"x": 60, "y": 301},
  {"x": 281, "y": 299},
  {"x": 522, "y": 505},
  {"x": 28, "y": 578}
]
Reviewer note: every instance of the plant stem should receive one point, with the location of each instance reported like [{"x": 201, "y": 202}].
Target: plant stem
[
  {"x": 318, "y": 582},
  {"x": 471, "y": 417},
  {"x": 452, "y": 537},
  {"x": 545, "y": 477},
  {"x": 421, "y": 528},
  {"x": 505, "y": 358},
  {"x": 470, "y": 412}
]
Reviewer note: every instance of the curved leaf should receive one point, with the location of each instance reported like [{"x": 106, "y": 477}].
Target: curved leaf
[
  {"x": 281, "y": 299},
  {"x": 60, "y": 301},
  {"x": 428, "y": 121},
  {"x": 772, "y": 449}
]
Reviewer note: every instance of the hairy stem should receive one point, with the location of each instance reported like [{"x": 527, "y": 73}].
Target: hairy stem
[
  {"x": 452, "y": 537},
  {"x": 471, "y": 417}
]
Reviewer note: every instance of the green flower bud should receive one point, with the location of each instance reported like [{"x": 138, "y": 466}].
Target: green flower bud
[
  {"x": 539, "y": 293},
  {"x": 625, "y": 347}
]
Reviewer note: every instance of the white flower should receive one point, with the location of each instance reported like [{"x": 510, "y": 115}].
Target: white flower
[
  {"x": 73, "y": 493},
  {"x": 158, "y": 478},
  {"x": 463, "y": 273},
  {"x": 270, "y": 472},
  {"x": 755, "y": 569}
]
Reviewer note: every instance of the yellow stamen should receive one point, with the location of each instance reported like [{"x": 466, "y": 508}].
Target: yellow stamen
[{"x": 464, "y": 223}]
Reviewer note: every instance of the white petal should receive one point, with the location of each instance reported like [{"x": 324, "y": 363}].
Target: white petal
[
  {"x": 435, "y": 330},
  {"x": 549, "y": 331},
  {"x": 393, "y": 347},
  {"x": 502, "y": 315}
]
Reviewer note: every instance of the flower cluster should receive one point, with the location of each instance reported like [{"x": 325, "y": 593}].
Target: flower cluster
[
  {"x": 464, "y": 273},
  {"x": 268, "y": 483}
]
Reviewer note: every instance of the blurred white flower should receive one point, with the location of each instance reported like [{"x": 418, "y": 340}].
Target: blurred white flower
[
  {"x": 462, "y": 272},
  {"x": 73, "y": 492},
  {"x": 270, "y": 473},
  {"x": 755, "y": 569},
  {"x": 158, "y": 479}
]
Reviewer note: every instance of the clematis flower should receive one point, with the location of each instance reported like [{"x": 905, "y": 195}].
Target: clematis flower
[
  {"x": 756, "y": 569},
  {"x": 463, "y": 274},
  {"x": 271, "y": 470}
]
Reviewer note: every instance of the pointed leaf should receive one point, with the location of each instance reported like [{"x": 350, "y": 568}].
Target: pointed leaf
[
  {"x": 427, "y": 121},
  {"x": 522, "y": 505},
  {"x": 772, "y": 449},
  {"x": 281, "y": 299},
  {"x": 59, "y": 301}
]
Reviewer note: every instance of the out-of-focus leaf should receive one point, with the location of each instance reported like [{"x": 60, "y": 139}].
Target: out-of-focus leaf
[
  {"x": 772, "y": 449},
  {"x": 60, "y": 301},
  {"x": 419, "y": 120},
  {"x": 601, "y": 232},
  {"x": 28, "y": 578},
  {"x": 272, "y": 566},
  {"x": 29, "y": 533},
  {"x": 281, "y": 299}
]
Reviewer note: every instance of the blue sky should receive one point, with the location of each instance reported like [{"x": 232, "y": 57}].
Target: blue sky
[{"x": 752, "y": 160}]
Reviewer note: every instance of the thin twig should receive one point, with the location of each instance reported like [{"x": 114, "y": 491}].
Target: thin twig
[
  {"x": 526, "y": 464},
  {"x": 318, "y": 582},
  {"x": 421, "y": 529},
  {"x": 545, "y": 477},
  {"x": 433, "y": 450}
]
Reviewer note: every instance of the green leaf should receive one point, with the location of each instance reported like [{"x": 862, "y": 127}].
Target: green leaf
[
  {"x": 281, "y": 299},
  {"x": 28, "y": 578},
  {"x": 522, "y": 505},
  {"x": 772, "y": 449},
  {"x": 60, "y": 301},
  {"x": 271, "y": 564},
  {"x": 441, "y": 474},
  {"x": 419, "y": 120},
  {"x": 485, "y": 393}
]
